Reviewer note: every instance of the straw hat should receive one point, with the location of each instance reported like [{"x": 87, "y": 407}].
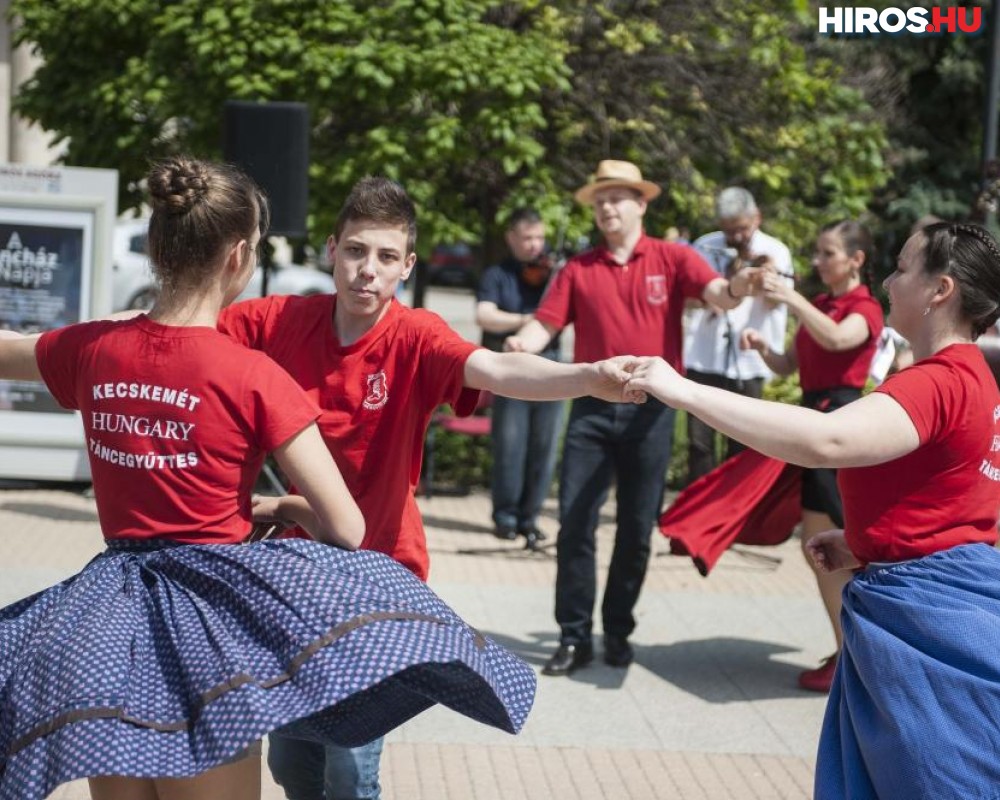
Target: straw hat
[{"x": 616, "y": 173}]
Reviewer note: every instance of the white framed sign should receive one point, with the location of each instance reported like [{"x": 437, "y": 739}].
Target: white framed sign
[{"x": 56, "y": 226}]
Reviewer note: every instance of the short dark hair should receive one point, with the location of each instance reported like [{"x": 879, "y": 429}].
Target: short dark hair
[
  {"x": 855, "y": 237},
  {"x": 523, "y": 215},
  {"x": 199, "y": 209},
  {"x": 381, "y": 200},
  {"x": 971, "y": 256}
]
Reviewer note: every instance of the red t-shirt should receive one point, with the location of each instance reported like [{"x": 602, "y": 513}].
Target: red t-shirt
[
  {"x": 376, "y": 395},
  {"x": 947, "y": 491},
  {"x": 826, "y": 369},
  {"x": 631, "y": 309},
  {"x": 177, "y": 420}
]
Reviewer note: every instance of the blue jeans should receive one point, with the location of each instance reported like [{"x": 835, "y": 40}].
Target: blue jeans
[
  {"x": 312, "y": 771},
  {"x": 525, "y": 435},
  {"x": 603, "y": 439}
]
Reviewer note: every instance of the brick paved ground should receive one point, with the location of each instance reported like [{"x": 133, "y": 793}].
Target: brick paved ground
[{"x": 709, "y": 710}]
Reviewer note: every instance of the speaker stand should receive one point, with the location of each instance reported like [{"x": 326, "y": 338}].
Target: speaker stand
[{"x": 266, "y": 265}]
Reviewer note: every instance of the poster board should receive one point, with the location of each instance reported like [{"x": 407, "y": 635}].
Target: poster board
[{"x": 56, "y": 227}]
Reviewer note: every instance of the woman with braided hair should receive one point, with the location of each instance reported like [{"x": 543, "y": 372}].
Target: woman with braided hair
[
  {"x": 832, "y": 350},
  {"x": 157, "y": 669},
  {"x": 916, "y": 696}
]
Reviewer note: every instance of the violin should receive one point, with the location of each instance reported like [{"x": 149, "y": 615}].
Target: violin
[{"x": 536, "y": 273}]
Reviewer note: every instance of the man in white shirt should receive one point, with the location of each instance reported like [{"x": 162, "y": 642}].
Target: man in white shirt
[{"x": 712, "y": 352}]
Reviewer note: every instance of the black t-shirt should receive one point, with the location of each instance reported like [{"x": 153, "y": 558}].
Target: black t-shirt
[{"x": 502, "y": 284}]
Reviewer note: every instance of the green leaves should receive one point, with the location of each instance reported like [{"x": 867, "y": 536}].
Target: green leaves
[
  {"x": 929, "y": 91},
  {"x": 475, "y": 105},
  {"x": 724, "y": 94}
]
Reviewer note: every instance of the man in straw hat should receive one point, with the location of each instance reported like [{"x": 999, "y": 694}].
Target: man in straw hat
[{"x": 626, "y": 296}]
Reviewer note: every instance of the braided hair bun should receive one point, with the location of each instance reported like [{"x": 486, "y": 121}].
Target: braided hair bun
[
  {"x": 178, "y": 184},
  {"x": 200, "y": 209}
]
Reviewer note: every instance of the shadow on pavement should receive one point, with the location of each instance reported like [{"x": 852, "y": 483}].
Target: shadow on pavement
[
  {"x": 517, "y": 549},
  {"x": 718, "y": 670},
  {"x": 448, "y": 524},
  {"x": 724, "y": 669},
  {"x": 50, "y": 511},
  {"x": 536, "y": 653},
  {"x": 744, "y": 558}
]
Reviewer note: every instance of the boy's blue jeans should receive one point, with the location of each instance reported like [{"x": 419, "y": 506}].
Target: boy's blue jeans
[{"x": 311, "y": 771}]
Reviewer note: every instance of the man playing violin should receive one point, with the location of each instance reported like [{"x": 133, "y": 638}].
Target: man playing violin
[{"x": 525, "y": 433}]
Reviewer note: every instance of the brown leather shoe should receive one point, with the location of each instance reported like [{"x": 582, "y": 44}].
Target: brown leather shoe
[{"x": 567, "y": 658}]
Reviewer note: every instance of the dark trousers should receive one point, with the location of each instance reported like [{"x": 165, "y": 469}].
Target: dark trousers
[
  {"x": 631, "y": 442},
  {"x": 525, "y": 435},
  {"x": 820, "y": 492},
  {"x": 701, "y": 437}
]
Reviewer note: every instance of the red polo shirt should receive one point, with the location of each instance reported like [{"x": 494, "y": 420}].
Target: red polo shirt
[{"x": 627, "y": 309}]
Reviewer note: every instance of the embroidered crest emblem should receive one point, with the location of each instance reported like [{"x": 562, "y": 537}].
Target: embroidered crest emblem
[
  {"x": 656, "y": 289},
  {"x": 378, "y": 391}
]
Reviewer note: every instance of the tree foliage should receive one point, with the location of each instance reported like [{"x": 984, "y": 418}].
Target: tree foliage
[
  {"x": 706, "y": 94},
  {"x": 476, "y": 105},
  {"x": 425, "y": 91},
  {"x": 930, "y": 93}
]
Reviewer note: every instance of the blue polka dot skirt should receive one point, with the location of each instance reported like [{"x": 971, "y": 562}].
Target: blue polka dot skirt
[{"x": 167, "y": 660}]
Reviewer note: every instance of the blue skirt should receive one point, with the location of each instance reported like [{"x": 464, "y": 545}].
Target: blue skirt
[
  {"x": 167, "y": 660},
  {"x": 914, "y": 711}
]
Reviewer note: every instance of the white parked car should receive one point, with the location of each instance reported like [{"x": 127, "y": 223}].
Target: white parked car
[{"x": 134, "y": 286}]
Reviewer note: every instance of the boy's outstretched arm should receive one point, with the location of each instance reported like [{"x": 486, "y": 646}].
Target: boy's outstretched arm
[{"x": 528, "y": 377}]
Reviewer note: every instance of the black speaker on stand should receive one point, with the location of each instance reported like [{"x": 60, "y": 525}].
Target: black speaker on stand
[{"x": 270, "y": 142}]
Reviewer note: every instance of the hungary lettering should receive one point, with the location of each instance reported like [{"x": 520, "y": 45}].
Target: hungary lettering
[{"x": 140, "y": 426}]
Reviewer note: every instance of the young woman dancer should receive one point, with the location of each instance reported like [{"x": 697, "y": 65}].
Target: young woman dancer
[
  {"x": 916, "y": 694},
  {"x": 156, "y": 669},
  {"x": 832, "y": 350}
]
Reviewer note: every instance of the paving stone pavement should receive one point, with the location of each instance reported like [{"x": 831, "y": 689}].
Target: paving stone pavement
[{"x": 710, "y": 709}]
